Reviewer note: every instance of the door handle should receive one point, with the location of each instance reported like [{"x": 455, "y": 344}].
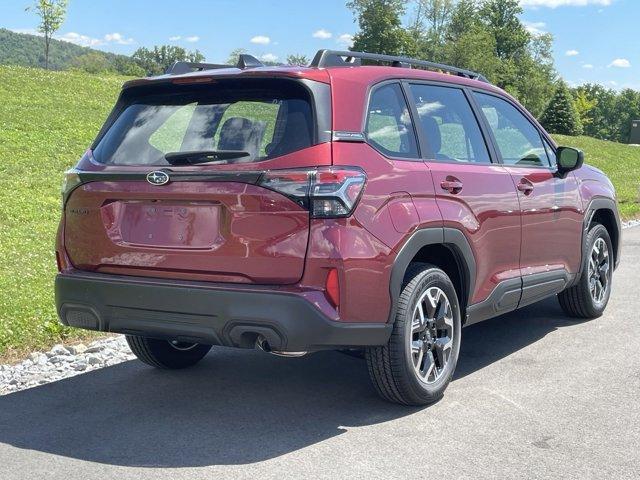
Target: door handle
[
  {"x": 525, "y": 186},
  {"x": 451, "y": 185}
]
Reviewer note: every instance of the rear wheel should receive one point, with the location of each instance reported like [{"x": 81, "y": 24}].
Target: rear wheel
[
  {"x": 166, "y": 354},
  {"x": 589, "y": 297},
  {"x": 418, "y": 362}
]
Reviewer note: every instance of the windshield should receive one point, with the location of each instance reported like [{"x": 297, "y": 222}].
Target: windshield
[{"x": 259, "y": 119}]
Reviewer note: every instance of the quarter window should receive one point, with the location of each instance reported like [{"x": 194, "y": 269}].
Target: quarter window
[
  {"x": 518, "y": 140},
  {"x": 449, "y": 125},
  {"x": 389, "y": 128}
]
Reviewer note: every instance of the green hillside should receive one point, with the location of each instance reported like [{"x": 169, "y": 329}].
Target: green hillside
[
  {"x": 47, "y": 120},
  {"x": 28, "y": 51}
]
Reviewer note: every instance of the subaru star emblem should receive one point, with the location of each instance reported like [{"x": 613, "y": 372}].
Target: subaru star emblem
[{"x": 157, "y": 178}]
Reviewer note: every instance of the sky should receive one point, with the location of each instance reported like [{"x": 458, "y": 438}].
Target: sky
[{"x": 594, "y": 40}]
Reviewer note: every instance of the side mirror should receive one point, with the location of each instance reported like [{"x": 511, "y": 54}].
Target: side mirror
[{"x": 569, "y": 159}]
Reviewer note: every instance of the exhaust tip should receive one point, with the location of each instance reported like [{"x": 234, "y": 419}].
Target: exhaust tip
[{"x": 263, "y": 344}]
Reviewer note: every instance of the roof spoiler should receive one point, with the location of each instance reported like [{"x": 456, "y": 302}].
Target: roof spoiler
[
  {"x": 338, "y": 58},
  {"x": 244, "y": 61}
]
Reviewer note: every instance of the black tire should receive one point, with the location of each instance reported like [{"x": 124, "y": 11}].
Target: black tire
[
  {"x": 577, "y": 301},
  {"x": 166, "y": 355},
  {"x": 391, "y": 367}
]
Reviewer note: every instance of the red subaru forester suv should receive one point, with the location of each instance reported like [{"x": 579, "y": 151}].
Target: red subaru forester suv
[{"x": 356, "y": 204}]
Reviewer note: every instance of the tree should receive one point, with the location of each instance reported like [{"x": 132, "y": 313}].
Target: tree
[
  {"x": 584, "y": 105},
  {"x": 91, "y": 62},
  {"x": 433, "y": 18},
  {"x": 127, "y": 66},
  {"x": 560, "y": 116},
  {"x": 501, "y": 19},
  {"x": 51, "y": 13},
  {"x": 158, "y": 60},
  {"x": 233, "y": 57},
  {"x": 381, "y": 28},
  {"x": 297, "y": 59},
  {"x": 602, "y": 122}
]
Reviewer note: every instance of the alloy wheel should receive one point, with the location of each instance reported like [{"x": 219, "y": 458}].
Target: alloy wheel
[
  {"x": 431, "y": 339},
  {"x": 599, "y": 271}
]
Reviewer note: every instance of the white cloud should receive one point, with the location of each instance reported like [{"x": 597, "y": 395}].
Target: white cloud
[
  {"x": 534, "y": 28},
  {"x": 175, "y": 38},
  {"x": 28, "y": 31},
  {"x": 588, "y": 66},
  {"x": 192, "y": 38},
  {"x": 322, "y": 33},
  {"x": 116, "y": 37},
  {"x": 269, "y": 57},
  {"x": 564, "y": 3},
  {"x": 82, "y": 40},
  {"x": 261, "y": 40},
  {"x": 620, "y": 63},
  {"x": 346, "y": 39},
  {"x": 572, "y": 53}
]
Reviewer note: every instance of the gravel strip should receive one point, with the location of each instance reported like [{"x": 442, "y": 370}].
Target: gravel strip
[
  {"x": 631, "y": 223},
  {"x": 63, "y": 362}
]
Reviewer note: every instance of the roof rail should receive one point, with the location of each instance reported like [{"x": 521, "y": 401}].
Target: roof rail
[
  {"x": 338, "y": 58},
  {"x": 244, "y": 61}
]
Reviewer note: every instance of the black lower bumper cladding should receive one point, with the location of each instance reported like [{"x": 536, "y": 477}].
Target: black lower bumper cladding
[{"x": 204, "y": 313}]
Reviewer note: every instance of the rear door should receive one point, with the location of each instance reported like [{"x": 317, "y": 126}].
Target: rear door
[
  {"x": 550, "y": 205},
  {"x": 176, "y": 184},
  {"x": 474, "y": 195}
]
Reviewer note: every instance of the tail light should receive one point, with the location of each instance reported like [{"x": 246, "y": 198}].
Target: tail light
[
  {"x": 327, "y": 192},
  {"x": 70, "y": 181}
]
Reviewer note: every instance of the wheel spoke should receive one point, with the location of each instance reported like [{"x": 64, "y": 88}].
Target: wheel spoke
[
  {"x": 442, "y": 348},
  {"x": 429, "y": 366}
]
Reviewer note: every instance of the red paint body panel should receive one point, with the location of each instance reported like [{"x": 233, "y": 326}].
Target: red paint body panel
[
  {"x": 552, "y": 216},
  {"x": 486, "y": 210},
  {"x": 208, "y": 231}
]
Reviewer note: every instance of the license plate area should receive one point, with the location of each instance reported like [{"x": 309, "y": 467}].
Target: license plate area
[{"x": 163, "y": 224}]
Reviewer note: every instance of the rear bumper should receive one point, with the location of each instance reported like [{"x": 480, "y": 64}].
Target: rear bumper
[{"x": 205, "y": 313}]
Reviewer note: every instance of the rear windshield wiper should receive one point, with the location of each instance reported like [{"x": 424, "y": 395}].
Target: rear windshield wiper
[{"x": 203, "y": 156}]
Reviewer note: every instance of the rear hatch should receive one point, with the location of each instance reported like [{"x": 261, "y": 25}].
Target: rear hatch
[{"x": 201, "y": 180}]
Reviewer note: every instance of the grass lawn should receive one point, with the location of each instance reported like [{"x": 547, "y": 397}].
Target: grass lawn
[
  {"x": 47, "y": 120},
  {"x": 620, "y": 162}
]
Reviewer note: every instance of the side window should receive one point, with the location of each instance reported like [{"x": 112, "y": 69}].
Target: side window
[
  {"x": 449, "y": 125},
  {"x": 389, "y": 127},
  {"x": 518, "y": 140}
]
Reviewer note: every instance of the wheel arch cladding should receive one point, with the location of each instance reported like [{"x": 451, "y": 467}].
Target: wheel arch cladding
[
  {"x": 446, "y": 248},
  {"x": 604, "y": 211}
]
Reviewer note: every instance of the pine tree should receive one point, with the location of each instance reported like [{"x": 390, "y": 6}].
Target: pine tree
[{"x": 561, "y": 116}]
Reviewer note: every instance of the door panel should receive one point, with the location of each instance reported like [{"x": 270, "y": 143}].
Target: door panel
[
  {"x": 551, "y": 221},
  {"x": 473, "y": 195},
  {"x": 550, "y": 206},
  {"x": 486, "y": 210}
]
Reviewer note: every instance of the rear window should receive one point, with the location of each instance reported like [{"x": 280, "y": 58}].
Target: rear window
[{"x": 233, "y": 121}]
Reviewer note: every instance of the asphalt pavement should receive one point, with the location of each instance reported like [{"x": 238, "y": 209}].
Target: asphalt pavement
[{"x": 536, "y": 395}]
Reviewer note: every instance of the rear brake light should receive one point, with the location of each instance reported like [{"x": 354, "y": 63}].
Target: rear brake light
[
  {"x": 327, "y": 192},
  {"x": 70, "y": 181}
]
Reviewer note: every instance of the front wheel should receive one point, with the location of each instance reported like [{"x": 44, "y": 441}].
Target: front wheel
[
  {"x": 417, "y": 364},
  {"x": 589, "y": 297},
  {"x": 165, "y": 354}
]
